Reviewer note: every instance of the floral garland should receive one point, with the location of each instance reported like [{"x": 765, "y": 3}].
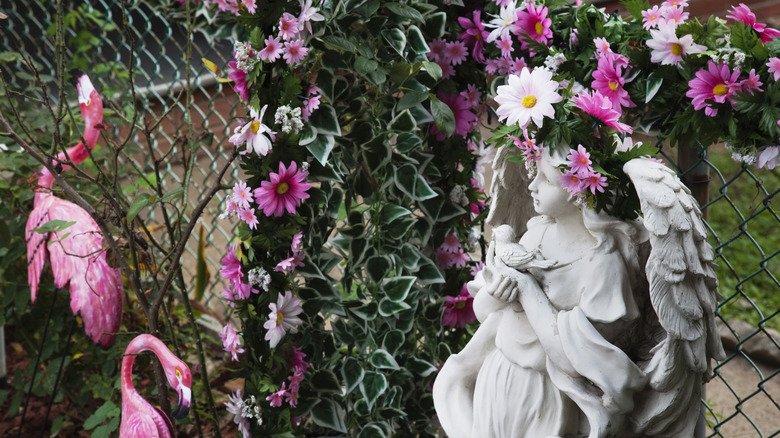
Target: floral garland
[{"x": 657, "y": 70}]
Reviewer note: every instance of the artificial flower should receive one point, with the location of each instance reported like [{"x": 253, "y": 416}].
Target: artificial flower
[
  {"x": 745, "y": 15},
  {"x": 503, "y": 23},
  {"x": 465, "y": 120},
  {"x": 277, "y": 397},
  {"x": 308, "y": 14},
  {"x": 451, "y": 243},
  {"x": 437, "y": 52},
  {"x": 667, "y": 49},
  {"x": 571, "y": 182},
  {"x": 533, "y": 21},
  {"x": 231, "y": 266},
  {"x": 248, "y": 215},
  {"x": 675, "y": 14},
  {"x": 595, "y": 182},
  {"x": 284, "y": 191},
  {"x": 609, "y": 81},
  {"x": 294, "y": 52},
  {"x": 298, "y": 360},
  {"x": 235, "y": 405},
  {"x": 474, "y": 35},
  {"x": 769, "y": 157},
  {"x": 241, "y": 194},
  {"x": 651, "y": 17},
  {"x": 444, "y": 258},
  {"x": 774, "y": 67},
  {"x": 472, "y": 95},
  {"x": 579, "y": 160},
  {"x": 230, "y": 341},
  {"x": 505, "y": 44},
  {"x": 528, "y": 97},
  {"x": 456, "y": 52},
  {"x": 238, "y": 77},
  {"x": 296, "y": 260},
  {"x": 600, "y": 109},
  {"x": 288, "y": 26},
  {"x": 272, "y": 50},
  {"x": 458, "y": 310},
  {"x": 751, "y": 83},
  {"x": 283, "y": 318},
  {"x": 311, "y": 103},
  {"x": 717, "y": 83},
  {"x": 256, "y": 135}
]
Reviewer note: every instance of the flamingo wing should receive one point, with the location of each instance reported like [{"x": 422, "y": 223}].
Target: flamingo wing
[
  {"x": 36, "y": 244},
  {"x": 138, "y": 425},
  {"x": 78, "y": 260}
]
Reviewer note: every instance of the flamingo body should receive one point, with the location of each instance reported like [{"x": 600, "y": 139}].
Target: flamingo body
[
  {"x": 76, "y": 260},
  {"x": 139, "y": 418}
]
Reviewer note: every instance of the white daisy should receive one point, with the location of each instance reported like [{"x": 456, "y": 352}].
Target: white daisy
[
  {"x": 667, "y": 48},
  {"x": 503, "y": 23},
  {"x": 528, "y": 97},
  {"x": 253, "y": 134}
]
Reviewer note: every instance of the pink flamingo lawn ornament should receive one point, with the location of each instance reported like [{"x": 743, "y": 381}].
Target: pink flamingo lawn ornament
[
  {"x": 139, "y": 418},
  {"x": 76, "y": 258}
]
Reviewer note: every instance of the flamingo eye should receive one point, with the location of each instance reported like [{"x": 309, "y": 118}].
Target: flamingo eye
[{"x": 178, "y": 373}]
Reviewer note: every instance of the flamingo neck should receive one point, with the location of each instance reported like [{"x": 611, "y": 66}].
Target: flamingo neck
[{"x": 138, "y": 345}]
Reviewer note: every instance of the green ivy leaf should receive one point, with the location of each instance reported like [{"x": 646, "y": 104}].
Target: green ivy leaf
[
  {"x": 403, "y": 122},
  {"x": 417, "y": 40},
  {"x": 327, "y": 413},
  {"x": 339, "y": 43},
  {"x": 397, "y": 288},
  {"x": 433, "y": 69},
  {"x": 410, "y": 99},
  {"x": 393, "y": 341},
  {"x": 308, "y": 135},
  {"x": 435, "y": 24},
  {"x": 365, "y": 66},
  {"x": 325, "y": 381},
  {"x": 326, "y": 121},
  {"x": 413, "y": 185},
  {"x": 377, "y": 267},
  {"x": 442, "y": 114},
  {"x": 321, "y": 147},
  {"x": 371, "y": 431},
  {"x": 391, "y": 212},
  {"x": 373, "y": 385},
  {"x": 653, "y": 86},
  {"x": 428, "y": 273},
  {"x": 388, "y": 307},
  {"x": 395, "y": 38},
  {"x": 405, "y": 11},
  {"x": 353, "y": 373},
  {"x": 419, "y": 367}
]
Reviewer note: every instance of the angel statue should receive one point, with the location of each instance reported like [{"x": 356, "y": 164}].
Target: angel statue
[{"x": 590, "y": 325}]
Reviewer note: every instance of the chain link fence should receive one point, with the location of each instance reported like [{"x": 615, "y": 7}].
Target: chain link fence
[{"x": 743, "y": 398}]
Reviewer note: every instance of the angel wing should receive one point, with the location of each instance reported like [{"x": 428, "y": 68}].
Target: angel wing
[
  {"x": 683, "y": 293},
  {"x": 511, "y": 202}
]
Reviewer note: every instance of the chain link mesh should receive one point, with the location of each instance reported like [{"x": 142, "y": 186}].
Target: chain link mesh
[{"x": 741, "y": 218}]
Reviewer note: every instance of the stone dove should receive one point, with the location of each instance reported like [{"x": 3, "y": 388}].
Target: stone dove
[{"x": 515, "y": 255}]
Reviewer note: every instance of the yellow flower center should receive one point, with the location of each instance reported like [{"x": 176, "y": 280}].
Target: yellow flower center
[
  {"x": 720, "y": 90},
  {"x": 584, "y": 160},
  {"x": 529, "y": 101},
  {"x": 282, "y": 188},
  {"x": 613, "y": 86},
  {"x": 254, "y": 126},
  {"x": 279, "y": 318},
  {"x": 460, "y": 304},
  {"x": 539, "y": 28},
  {"x": 676, "y": 49}
]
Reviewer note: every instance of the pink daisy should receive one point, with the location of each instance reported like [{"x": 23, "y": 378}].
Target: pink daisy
[
  {"x": 651, "y": 17},
  {"x": 594, "y": 181},
  {"x": 774, "y": 67},
  {"x": 231, "y": 266},
  {"x": 608, "y": 80},
  {"x": 298, "y": 360},
  {"x": 460, "y": 258},
  {"x": 717, "y": 84},
  {"x": 288, "y": 26},
  {"x": 528, "y": 97},
  {"x": 599, "y": 108},
  {"x": 505, "y": 44},
  {"x": 444, "y": 259},
  {"x": 451, "y": 243},
  {"x": 283, "y": 191},
  {"x": 769, "y": 157},
  {"x": 675, "y": 14},
  {"x": 230, "y": 341},
  {"x": 456, "y": 52},
  {"x": 458, "y": 310},
  {"x": 242, "y": 290},
  {"x": 294, "y": 52},
  {"x": 242, "y": 194},
  {"x": 248, "y": 215},
  {"x": 311, "y": 103},
  {"x": 752, "y": 83},
  {"x": 491, "y": 66},
  {"x": 465, "y": 120},
  {"x": 447, "y": 70},
  {"x": 579, "y": 160},
  {"x": 272, "y": 50},
  {"x": 602, "y": 47},
  {"x": 277, "y": 397},
  {"x": 238, "y": 77},
  {"x": 474, "y": 35},
  {"x": 516, "y": 66},
  {"x": 675, "y": 3},
  {"x": 535, "y": 23},
  {"x": 289, "y": 264},
  {"x": 667, "y": 49},
  {"x": 572, "y": 182},
  {"x": 251, "y": 6},
  {"x": 437, "y": 53},
  {"x": 283, "y": 318},
  {"x": 472, "y": 95},
  {"x": 744, "y": 14}
]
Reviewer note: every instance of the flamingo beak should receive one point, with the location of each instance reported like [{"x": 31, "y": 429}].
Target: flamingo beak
[{"x": 183, "y": 407}]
